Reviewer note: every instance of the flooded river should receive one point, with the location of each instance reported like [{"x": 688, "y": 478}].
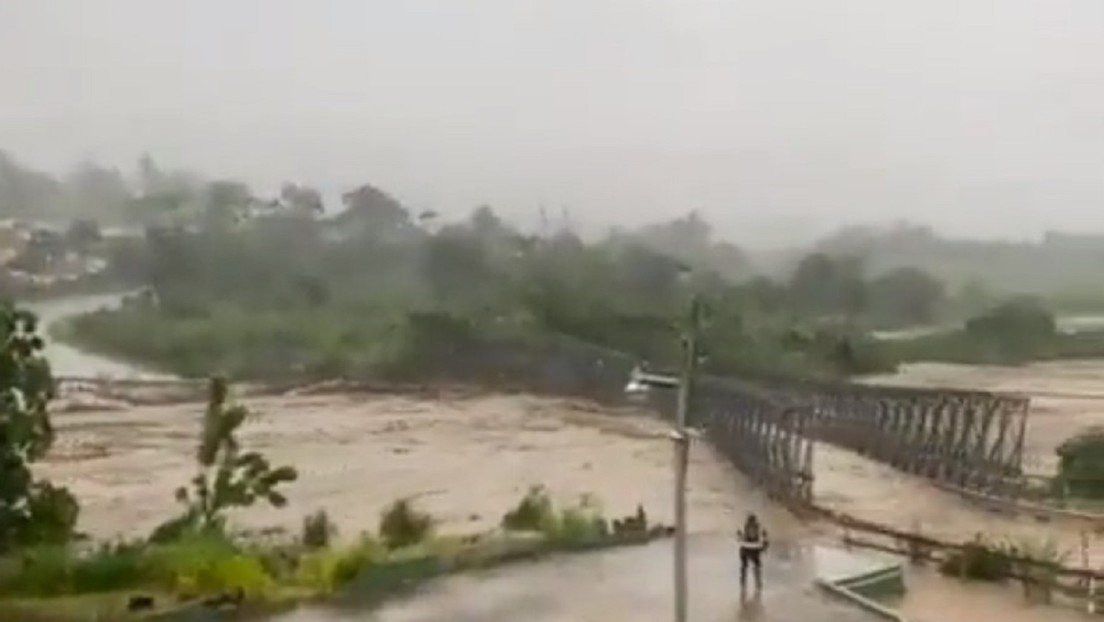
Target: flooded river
[
  {"x": 66, "y": 360},
  {"x": 467, "y": 459}
]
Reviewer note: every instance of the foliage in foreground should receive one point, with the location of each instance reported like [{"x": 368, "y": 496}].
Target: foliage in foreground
[
  {"x": 193, "y": 565},
  {"x": 227, "y": 477},
  {"x": 575, "y": 525},
  {"x": 1033, "y": 562},
  {"x": 402, "y": 525},
  {"x": 533, "y": 513},
  {"x": 197, "y": 565},
  {"x": 318, "y": 530},
  {"x": 31, "y": 511}
]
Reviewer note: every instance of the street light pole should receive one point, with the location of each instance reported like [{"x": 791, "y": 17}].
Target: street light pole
[
  {"x": 639, "y": 381},
  {"x": 681, "y": 438}
]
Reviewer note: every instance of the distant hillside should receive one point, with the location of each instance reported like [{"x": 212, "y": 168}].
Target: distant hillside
[{"x": 1058, "y": 263}]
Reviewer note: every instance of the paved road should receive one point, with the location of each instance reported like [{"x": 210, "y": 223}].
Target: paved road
[{"x": 624, "y": 585}]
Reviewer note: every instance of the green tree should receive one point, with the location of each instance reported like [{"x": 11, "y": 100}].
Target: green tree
[
  {"x": 824, "y": 285},
  {"x": 486, "y": 223},
  {"x": 31, "y": 511},
  {"x": 904, "y": 296},
  {"x": 227, "y": 477},
  {"x": 1081, "y": 464},
  {"x": 372, "y": 212},
  {"x": 301, "y": 200},
  {"x": 227, "y": 203},
  {"x": 455, "y": 264},
  {"x": 1017, "y": 329},
  {"x": 1022, "y": 320}
]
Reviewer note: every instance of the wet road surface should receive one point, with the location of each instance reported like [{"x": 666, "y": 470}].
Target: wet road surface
[{"x": 624, "y": 584}]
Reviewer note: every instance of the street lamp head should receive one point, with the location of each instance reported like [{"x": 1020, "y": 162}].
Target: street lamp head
[{"x": 636, "y": 386}]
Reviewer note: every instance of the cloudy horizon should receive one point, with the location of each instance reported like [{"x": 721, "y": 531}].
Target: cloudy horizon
[{"x": 778, "y": 121}]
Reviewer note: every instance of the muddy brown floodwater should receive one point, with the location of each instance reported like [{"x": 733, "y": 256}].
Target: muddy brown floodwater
[
  {"x": 1066, "y": 397},
  {"x": 464, "y": 459},
  {"x": 467, "y": 459}
]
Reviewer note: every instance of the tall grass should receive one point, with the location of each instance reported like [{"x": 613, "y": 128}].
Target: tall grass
[
  {"x": 52, "y": 570},
  {"x": 325, "y": 570},
  {"x": 318, "y": 530},
  {"x": 533, "y": 513},
  {"x": 191, "y": 566},
  {"x": 211, "y": 563}
]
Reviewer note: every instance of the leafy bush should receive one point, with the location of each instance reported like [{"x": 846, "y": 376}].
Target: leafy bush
[
  {"x": 38, "y": 571},
  {"x": 1012, "y": 333},
  {"x": 192, "y": 566},
  {"x": 318, "y": 530},
  {"x": 979, "y": 560},
  {"x": 580, "y": 526},
  {"x": 109, "y": 567},
  {"x": 401, "y": 525},
  {"x": 1020, "y": 319},
  {"x": 328, "y": 569},
  {"x": 227, "y": 477},
  {"x": 30, "y": 512},
  {"x": 1081, "y": 464},
  {"x": 52, "y": 570},
  {"x": 533, "y": 513},
  {"x": 207, "y": 564}
]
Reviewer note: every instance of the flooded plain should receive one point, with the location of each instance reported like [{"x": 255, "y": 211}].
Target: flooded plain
[{"x": 467, "y": 458}]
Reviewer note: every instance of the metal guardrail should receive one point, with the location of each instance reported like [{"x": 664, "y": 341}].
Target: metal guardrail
[{"x": 844, "y": 590}]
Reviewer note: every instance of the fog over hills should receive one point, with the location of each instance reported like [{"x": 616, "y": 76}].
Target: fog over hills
[{"x": 778, "y": 121}]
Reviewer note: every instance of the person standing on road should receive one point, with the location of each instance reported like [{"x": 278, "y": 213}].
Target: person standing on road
[{"x": 753, "y": 541}]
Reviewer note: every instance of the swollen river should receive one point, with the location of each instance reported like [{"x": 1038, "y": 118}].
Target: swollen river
[{"x": 67, "y": 361}]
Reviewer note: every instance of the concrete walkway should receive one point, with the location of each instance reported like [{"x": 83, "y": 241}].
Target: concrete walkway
[{"x": 624, "y": 584}]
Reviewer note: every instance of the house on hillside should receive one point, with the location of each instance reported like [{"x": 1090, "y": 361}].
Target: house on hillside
[{"x": 14, "y": 237}]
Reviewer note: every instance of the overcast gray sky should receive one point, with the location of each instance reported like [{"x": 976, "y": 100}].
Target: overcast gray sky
[{"x": 777, "y": 119}]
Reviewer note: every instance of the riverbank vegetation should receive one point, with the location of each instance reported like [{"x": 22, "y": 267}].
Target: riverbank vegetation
[
  {"x": 197, "y": 559},
  {"x": 217, "y": 568},
  {"x": 1035, "y": 564},
  {"x": 31, "y": 511},
  {"x": 382, "y": 295},
  {"x": 378, "y": 290},
  {"x": 1017, "y": 331},
  {"x": 282, "y": 288}
]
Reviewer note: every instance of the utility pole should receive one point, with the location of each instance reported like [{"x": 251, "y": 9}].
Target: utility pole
[
  {"x": 639, "y": 381},
  {"x": 681, "y": 437}
]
